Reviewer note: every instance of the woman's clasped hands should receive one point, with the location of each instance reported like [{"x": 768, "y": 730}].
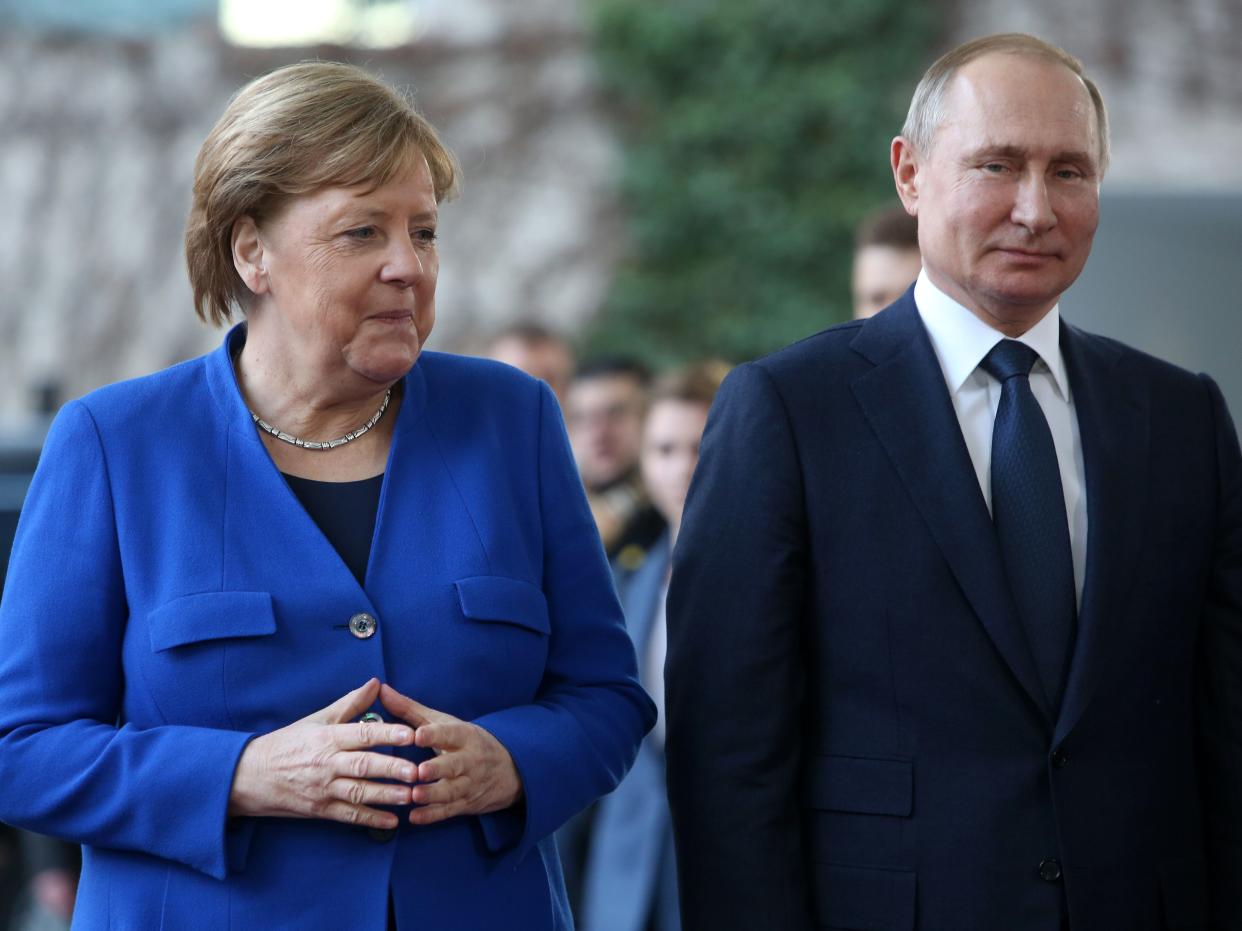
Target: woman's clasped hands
[{"x": 326, "y": 766}]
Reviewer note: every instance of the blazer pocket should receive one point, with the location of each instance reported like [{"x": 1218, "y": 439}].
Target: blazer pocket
[
  {"x": 210, "y": 616},
  {"x": 861, "y": 785},
  {"x": 1183, "y": 884},
  {"x": 495, "y": 599},
  {"x": 858, "y": 899}
]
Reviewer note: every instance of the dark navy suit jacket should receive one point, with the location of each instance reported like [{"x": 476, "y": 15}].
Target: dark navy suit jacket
[
  {"x": 168, "y": 598},
  {"x": 856, "y": 737}
]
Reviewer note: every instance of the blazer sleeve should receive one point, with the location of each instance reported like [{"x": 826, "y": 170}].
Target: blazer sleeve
[
  {"x": 70, "y": 766},
  {"x": 1219, "y": 694},
  {"x": 733, "y": 678},
  {"x": 580, "y": 736}
]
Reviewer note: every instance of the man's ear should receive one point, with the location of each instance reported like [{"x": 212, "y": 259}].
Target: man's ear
[
  {"x": 248, "y": 256},
  {"x": 905, "y": 164}
]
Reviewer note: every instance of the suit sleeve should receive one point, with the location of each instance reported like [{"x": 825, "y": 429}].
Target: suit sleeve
[
  {"x": 734, "y": 677},
  {"x": 70, "y": 766},
  {"x": 580, "y": 737},
  {"x": 1219, "y": 698}
]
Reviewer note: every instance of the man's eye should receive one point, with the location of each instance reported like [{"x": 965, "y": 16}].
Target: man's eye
[
  {"x": 1068, "y": 174},
  {"x": 994, "y": 168}
]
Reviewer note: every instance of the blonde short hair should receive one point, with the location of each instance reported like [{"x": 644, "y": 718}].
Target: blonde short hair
[
  {"x": 290, "y": 132},
  {"x": 926, "y": 107},
  {"x": 695, "y": 383}
]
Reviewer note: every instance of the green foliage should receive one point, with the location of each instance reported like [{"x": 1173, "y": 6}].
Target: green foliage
[{"x": 757, "y": 136}]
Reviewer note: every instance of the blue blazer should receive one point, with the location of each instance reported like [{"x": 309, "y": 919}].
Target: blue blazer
[
  {"x": 856, "y": 733},
  {"x": 631, "y": 874},
  {"x": 168, "y": 599}
]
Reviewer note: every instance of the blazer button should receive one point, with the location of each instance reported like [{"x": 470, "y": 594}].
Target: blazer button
[
  {"x": 1059, "y": 758},
  {"x": 381, "y": 835},
  {"x": 362, "y": 625},
  {"x": 1049, "y": 870}
]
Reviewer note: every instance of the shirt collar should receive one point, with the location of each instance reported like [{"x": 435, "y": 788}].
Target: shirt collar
[{"x": 961, "y": 339}]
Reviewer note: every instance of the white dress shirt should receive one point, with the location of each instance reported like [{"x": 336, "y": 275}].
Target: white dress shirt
[
  {"x": 961, "y": 341},
  {"x": 657, "y": 650}
]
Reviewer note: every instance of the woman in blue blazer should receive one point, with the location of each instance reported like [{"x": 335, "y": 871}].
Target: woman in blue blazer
[{"x": 313, "y": 632}]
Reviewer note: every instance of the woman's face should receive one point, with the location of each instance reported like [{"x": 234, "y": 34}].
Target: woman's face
[
  {"x": 350, "y": 277},
  {"x": 670, "y": 452}
]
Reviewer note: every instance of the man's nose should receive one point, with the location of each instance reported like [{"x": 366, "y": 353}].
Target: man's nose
[{"x": 1032, "y": 205}]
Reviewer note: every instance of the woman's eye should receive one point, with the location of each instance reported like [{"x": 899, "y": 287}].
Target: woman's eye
[
  {"x": 424, "y": 235},
  {"x": 362, "y": 232}
]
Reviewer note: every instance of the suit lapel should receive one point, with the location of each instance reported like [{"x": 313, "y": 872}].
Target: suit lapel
[
  {"x": 641, "y": 595},
  {"x": 907, "y": 404},
  {"x": 1113, "y": 423}
]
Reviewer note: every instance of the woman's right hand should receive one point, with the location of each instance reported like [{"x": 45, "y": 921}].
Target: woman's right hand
[{"x": 320, "y": 767}]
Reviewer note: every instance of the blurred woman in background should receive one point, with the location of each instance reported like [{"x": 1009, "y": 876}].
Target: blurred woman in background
[{"x": 631, "y": 874}]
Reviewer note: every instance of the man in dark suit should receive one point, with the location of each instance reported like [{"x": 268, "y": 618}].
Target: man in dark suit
[{"x": 955, "y": 626}]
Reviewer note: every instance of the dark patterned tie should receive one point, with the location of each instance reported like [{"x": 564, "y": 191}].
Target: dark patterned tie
[{"x": 1028, "y": 511}]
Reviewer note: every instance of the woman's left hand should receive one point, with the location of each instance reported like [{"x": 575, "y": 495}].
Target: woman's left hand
[{"x": 471, "y": 774}]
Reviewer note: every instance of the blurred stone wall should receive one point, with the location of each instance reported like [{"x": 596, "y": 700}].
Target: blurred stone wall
[
  {"x": 98, "y": 136},
  {"x": 97, "y": 143}
]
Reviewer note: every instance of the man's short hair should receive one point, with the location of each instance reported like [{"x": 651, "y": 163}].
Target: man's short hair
[
  {"x": 891, "y": 227},
  {"x": 926, "y": 110},
  {"x": 528, "y": 333},
  {"x": 608, "y": 365}
]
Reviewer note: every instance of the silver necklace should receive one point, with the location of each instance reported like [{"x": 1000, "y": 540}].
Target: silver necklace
[{"x": 327, "y": 444}]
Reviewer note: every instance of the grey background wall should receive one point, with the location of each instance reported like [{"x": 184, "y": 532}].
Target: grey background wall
[{"x": 1164, "y": 277}]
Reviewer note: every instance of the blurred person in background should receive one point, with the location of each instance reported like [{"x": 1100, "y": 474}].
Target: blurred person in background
[
  {"x": 886, "y": 259},
  {"x": 319, "y": 612},
  {"x": 955, "y": 625},
  {"x": 631, "y": 871},
  {"x": 10, "y": 872},
  {"x": 537, "y": 351},
  {"x": 604, "y": 413},
  {"x": 49, "y": 879}
]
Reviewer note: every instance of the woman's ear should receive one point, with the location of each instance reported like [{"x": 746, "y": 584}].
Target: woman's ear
[{"x": 248, "y": 257}]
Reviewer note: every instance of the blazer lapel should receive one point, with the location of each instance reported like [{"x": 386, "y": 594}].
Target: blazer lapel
[
  {"x": 1113, "y": 423},
  {"x": 905, "y": 400},
  {"x": 267, "y": 532}
]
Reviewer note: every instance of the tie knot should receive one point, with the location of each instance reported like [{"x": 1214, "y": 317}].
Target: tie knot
[{"x": 1009, "y": 358}]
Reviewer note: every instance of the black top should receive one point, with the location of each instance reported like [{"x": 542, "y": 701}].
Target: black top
[{"x": 345, "y": 513}]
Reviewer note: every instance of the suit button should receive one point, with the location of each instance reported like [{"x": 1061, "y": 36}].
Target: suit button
[
  {"x": 1049, "y": 870},
  {"x": 1059, "y": 758},
  {"x": 381, "y": 835},
  {"x": 362, "y": 625},
  {"x": 370, "y": 718}
]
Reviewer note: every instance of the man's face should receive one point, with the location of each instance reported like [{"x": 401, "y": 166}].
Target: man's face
[
  {"x": 881, "y": 275},
  {"x": 1008, "y": 197},
  {"x": 604, "y": 414}
]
